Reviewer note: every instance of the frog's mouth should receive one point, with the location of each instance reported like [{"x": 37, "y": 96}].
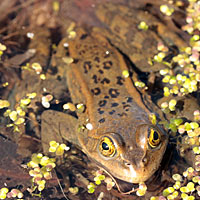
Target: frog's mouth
[{"x": 125, "y": 187}]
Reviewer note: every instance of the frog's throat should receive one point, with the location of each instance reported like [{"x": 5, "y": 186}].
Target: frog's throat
[{"x": 117, "y": 185}]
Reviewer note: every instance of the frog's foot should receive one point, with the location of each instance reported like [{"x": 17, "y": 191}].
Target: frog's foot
[{"x": 57, "y": 126}]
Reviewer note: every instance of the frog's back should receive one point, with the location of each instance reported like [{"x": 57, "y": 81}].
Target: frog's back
[
  {"x": 99, "y": 68},
  {"x": 118, "y": 137}
]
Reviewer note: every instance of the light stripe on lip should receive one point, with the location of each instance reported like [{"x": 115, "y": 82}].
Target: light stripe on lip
[
  {"x": 130, "y": 173},
  {"x": 143, "y": 142},
  {"x": 133, "y": 172}
]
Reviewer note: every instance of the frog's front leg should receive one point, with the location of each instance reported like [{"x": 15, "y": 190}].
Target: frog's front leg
[{"x": 56, "y": 126}]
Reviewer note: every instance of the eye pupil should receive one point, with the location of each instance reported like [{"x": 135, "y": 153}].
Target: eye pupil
[
  {"x": 155, "y": 136},
  {"x": 105, "y": 146}
]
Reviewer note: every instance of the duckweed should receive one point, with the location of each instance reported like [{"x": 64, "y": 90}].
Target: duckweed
[
  {"x": 99, "y": 178},
  {"x": 89, "y": 126},
  {"x": 2, "y": 49},
  {"x": 141, "y": 191},
  {"x": 57, "y": 148},
  {"x": 69, "y": 106},
  {"x": 172, "y": 104},
  {"x": 40, "y": 170},
  {"x": 46, "y": 100},
  {"x": 139, "y": 84},
  {"x": 13, "y": 193},
  {"x": 17, "y": 116},
  {"x": 143, "y": 25},
  {"x": 91, "y": 188},
  {"x": 4, "y": 104},
  {"x": 125, "y": 73},
  {"x": 178, "y": 178},
  {"x": 56, "y": 6},
  {"x": 80, "y": 107},
  {"x": 152, "y": 118},
  {"x": 165, "y": 9},
  {"x": 73, "y": 190},
  {"x": 109, "y": 183},
  {"x": 42, "y": 76},
  {"x": 181, "y": 82},
  {"x": 3, "y": 193}
]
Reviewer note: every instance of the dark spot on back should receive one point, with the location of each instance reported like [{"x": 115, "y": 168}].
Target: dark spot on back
[
  {"x": 105, "y": 80},
  {"x": 112, "y": 112},
  {"x": 114, "y": 104},
  {"x": 101, "y": 71},
  {"x": 122, "y": 114},
  {"x": 97, "y": 59},
  {"x": 113, "y": 92},
  {"x": 95, "y": 78},
  {"x": 100, "y": 111},
  {"x": 96, "y": 91},
  {"x": 81, "y": 52},
  {"x": 129, "y": 99},
  {"x": 107, "y": 55},
  {"x": 102, "y": 103},
  {"x": 126, "y": 106},
  {"x": 87, "y": 66},
  {"x": 102, "y": 120},
  {"x": 120, "y": 80},
  {"x": 107, "y": 64},
  {"x": 106, "y": 97},
  {"x": 83, "y": 36},
  {"x": 78, "y": 46},
  {"x": 117, "y": 28},
  {"x": 75, "y": 60}
]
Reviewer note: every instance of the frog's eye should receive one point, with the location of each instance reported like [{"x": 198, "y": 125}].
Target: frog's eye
[
  {"x": 154, "y": 138},
  {"x": 106, "y": 147}
]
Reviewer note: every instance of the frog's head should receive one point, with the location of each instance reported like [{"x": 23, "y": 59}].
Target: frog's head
[{"x": 133, "y": 157}]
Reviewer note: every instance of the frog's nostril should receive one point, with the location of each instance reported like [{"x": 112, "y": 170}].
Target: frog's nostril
[
  {"x": 144, "y": 161},
  {"x": 127, "y": 164}
]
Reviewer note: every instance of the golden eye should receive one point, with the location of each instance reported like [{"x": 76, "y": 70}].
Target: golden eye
[
  {"x": 107, "y": 147},
  {"x": 154, "y": 138}
]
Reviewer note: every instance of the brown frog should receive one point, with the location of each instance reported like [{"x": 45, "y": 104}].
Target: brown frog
[{"x": 120, "y": 138}]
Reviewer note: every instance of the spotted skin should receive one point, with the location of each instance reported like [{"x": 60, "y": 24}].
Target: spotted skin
[{"x": 113, "y": 107}]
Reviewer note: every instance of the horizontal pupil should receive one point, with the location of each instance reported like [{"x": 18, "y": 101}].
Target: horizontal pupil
[{"x": 105, "y": 146}]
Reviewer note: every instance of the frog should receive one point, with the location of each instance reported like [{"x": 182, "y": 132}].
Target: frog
[{"x": 114, "y": 130}]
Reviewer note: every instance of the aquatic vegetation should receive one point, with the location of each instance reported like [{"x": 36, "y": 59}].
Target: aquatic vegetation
[
  {"x": 69, "y": 106},
  {"x": 41, "y": 166},
  {"x": 143, "y": 26},
  {"x": 57, "y": 148},
  {"x": 13, "y": 193},
  {"x": 46, "y": 100},
  {"x": 56, "y": 6},
  {"x": 40, "y": 169},
  {"x": 2, "y": 49},
  {"x": 17, "y": 116},
  {"x": 73, "y": 190},
  {"x": 165, "y": 9},
  {"x": 125, "y": 73},
  {"x": 182, "y": 82},
  {"x": 139, "y": 84},
  {"x": 36, "y": 67},
  {"x": 99, "y": 177}
]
